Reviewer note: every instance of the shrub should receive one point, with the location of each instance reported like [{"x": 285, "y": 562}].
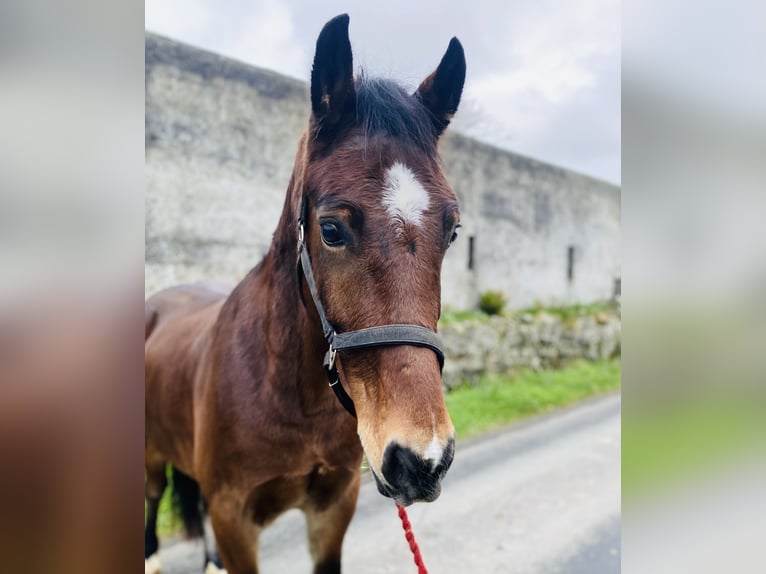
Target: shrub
[{"x": 492, "y": 302}]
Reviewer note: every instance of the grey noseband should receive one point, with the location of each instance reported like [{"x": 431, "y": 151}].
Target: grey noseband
[{"x": 380, "y": 336}]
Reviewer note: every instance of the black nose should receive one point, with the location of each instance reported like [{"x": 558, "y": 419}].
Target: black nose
[{"x": 411, "y": 477}]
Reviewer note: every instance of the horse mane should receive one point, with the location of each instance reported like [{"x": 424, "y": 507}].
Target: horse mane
[{"x": 383, "y": 107}]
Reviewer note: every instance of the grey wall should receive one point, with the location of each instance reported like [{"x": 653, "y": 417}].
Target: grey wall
[
  {"x": 524, "y": 216},
  {"x": 220, "y": 144}
]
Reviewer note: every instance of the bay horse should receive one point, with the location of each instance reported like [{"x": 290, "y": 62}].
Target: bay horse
[{"x": 237, "y": 400}]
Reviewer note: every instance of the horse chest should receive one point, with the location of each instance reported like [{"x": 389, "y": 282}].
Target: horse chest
[{"x": 318, "y": 489}]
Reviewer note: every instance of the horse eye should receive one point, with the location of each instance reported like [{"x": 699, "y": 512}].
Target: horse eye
[
  {"x": 331, "y": 235},
  {"x": 455, "y": 233}
]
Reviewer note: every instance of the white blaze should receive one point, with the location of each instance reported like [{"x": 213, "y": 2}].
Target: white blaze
[
  {"x": 434, "y": 451},
  {"x": 404, "y": 197}
]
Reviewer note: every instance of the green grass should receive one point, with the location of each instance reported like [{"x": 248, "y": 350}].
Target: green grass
[
  {"x": 498, "y": 400},
  {"x": 567, "y": 313},
  {"x": 571, "y": 311},
  {"x": 450, "y": 316},
  {"x": 168, "y": 521},
  {"x": 676, "y": 441}
]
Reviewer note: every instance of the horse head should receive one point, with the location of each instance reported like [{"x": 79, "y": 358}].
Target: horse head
[{"x": 379, "y": 217}]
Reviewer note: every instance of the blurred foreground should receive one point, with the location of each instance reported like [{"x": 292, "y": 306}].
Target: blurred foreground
[
  {"x": 71, "y": 286},
  {"x": 694, "y": 275},
  {"x": 71, "y": 243}
]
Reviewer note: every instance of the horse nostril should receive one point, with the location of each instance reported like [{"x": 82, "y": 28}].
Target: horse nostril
[
  {"x": 398, "y": 464},
  {"x": 447, "y": 457}
]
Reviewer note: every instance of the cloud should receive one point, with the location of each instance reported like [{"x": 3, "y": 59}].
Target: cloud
[
  {"x": 543, "y": 75},
  {"x": 266, "y": 38},
  {"x": 187, "y": 20},
  {"x": 561, "y": 61},
  {"x": 261, "y": 32}
]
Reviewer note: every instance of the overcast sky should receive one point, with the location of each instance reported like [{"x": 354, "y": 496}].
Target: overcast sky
[{"x": 543, "y": 75}]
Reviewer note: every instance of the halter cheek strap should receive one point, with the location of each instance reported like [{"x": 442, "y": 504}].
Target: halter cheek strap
[{"x": 379, "y": 336}]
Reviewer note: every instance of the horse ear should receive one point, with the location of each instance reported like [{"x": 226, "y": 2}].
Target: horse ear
[
  {"x": 440, "y": 92},
  {"x": 332, "y": 76}
]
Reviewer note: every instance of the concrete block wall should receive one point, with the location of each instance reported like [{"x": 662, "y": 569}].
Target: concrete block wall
[{"x": 221, "y": 138}]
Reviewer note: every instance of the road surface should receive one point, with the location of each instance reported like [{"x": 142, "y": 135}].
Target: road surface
[{"x": 540, "y": 497}]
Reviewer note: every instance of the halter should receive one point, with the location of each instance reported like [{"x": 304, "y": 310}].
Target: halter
[{"x": 380, "y": 336}]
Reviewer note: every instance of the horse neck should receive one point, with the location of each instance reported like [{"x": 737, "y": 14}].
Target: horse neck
[{"x": 293, "y": 336}]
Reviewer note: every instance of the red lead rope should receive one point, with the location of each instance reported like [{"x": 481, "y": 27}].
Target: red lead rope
[{"x": 411, "y": 540}]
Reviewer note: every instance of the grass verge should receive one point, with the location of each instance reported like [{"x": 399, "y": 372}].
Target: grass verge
[
  {"x": 499, "y": 399},
  {"x": 677, "y": 441},
  {"x": 567, "y": 313}
]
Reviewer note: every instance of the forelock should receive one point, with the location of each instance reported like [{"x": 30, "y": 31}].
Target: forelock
[{"x": 383, "y": 107}]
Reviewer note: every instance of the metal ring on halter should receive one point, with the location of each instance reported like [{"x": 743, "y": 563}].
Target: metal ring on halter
[{"x": 332, "y": 352}]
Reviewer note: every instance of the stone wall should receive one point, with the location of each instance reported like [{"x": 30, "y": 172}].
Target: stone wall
[
  {"x": 500, "y": 344},
  {"x": 221, "y": 138}
]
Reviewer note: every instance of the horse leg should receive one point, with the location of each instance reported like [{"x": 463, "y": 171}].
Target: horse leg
[
  {"x": 156, "y": 482},
  {"x": 212, "y": 557},
  {"x": 327, "y": 525},
  {"x": 236, "y": 535}
]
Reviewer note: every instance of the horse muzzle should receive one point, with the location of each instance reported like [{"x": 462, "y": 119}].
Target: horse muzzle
[{"x": 409, "y": 477}]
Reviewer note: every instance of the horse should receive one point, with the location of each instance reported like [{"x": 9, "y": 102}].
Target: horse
[{"x": 237, "y": 397}]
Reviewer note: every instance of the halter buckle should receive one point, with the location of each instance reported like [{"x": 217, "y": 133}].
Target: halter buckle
[
  {"x": 331, "y": 363},
  {"x": 299, "y": 247}
]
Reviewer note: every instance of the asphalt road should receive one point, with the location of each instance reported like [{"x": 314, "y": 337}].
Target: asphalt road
[{"x": 540, "y": 497}]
